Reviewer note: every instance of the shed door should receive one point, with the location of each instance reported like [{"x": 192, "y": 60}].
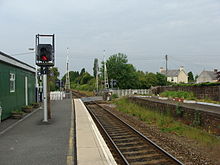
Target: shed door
[{"x": 26, "y": 90}]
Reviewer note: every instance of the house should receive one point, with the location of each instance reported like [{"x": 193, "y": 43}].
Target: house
[
  {"x": 17, "y": 84},
  {"x": 207, "y": 76},
  {"x": 175, "y": 76}
]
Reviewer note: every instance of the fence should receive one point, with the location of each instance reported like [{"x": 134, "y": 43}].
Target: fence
[
  {"x": 57, "y": 95},
  {"x": 126, "y": 92}
]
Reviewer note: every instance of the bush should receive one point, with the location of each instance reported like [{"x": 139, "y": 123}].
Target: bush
[
  {"x": 199, "y": 85},
  {"x": 35, "y": 105},
  {"x": 84, "y": 87},
  {"x": 178, "y": 94},
  {"x": 17, "y": 112},
  {"x": 27, "y": 107},
  {"x": 114, "y": 96}
]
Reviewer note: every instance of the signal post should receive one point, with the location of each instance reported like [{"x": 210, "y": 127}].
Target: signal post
[{"x": 45, "y": 60}]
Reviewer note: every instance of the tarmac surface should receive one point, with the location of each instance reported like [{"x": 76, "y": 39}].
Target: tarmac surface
[{"x": 32, "y": 142}]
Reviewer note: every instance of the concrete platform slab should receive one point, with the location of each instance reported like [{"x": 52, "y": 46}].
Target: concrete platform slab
[{"x": 91, "y": 147}]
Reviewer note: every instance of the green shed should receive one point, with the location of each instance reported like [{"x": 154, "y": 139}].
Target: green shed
[{"x": 17, "y": 84}]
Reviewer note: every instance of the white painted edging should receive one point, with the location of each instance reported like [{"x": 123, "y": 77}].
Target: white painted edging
[
  {"x": 108, "y": 155},
  {"x": 11, "y": 126},
  {"x": 211, "y": 104},
  {"x": 163, "y": 98},
  {"x": 189, "y": 101}
]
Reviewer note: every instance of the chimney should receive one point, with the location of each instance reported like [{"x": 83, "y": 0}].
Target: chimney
[
  {"x": 215, "y": 70},
  {"x": 181, "y": 68},
  {"x": 162, "y": 69}
]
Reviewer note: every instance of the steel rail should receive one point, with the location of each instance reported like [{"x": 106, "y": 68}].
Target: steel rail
[
  {"x": 138, "y": 133},
  {"x": 108, "y": 136}
]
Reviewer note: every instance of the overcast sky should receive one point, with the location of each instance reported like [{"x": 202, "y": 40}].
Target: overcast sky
[{"x": 188, "y": 31}]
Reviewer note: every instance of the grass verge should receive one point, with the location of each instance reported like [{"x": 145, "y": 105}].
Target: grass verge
[{"x": 166, "y": 123}]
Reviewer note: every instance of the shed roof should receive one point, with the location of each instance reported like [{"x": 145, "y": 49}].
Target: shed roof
[{"x": 15, "y": 62}]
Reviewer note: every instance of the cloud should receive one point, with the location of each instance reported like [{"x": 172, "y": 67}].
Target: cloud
[{"x": 143, "y": 28}]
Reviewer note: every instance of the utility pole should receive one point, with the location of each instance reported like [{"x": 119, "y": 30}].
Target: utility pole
[
  {"x": 106, "y": 85},
  {"x": 67, "y": 85},
  {"x": 166, "y": 58},
  {"x": 97, "y": 77}
]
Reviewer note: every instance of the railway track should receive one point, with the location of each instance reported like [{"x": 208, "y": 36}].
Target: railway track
[
  {"x": 77, "y": 94},
  {"x": 129, "y": 145}
]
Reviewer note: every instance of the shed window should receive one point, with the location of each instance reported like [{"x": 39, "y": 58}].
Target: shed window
[{"x": 12, "y": 82}]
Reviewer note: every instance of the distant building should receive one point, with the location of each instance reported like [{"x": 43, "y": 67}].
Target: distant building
[
  {"x": 17, "y": 84},
  {"x": 175, "y": 76},
  {"x": 207, "y": 76}
]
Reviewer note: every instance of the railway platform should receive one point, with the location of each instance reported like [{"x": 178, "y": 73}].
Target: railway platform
[
  {"x": 30, "y": 141},
  {"x": 91, "y": 147}
]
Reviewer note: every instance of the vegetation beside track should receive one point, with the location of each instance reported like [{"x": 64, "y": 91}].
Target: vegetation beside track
[
  {"x": 178, "y": 94},
  {"x": 166, "y": 123},
  {"x": 84, "y": 93},
  {"x": 185, "y": 95}
]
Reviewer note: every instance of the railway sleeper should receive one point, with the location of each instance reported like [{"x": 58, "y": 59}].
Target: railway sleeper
[
  {"x": 124, "y": 143},
  {"x": 126, "y": 140},
  {"x": 133, "y": 148},
  {"x": 150, "y": 160}
]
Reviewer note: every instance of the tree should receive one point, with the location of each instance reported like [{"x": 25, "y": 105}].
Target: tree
[
  {"x": 161, "y": 79},
  {"x": 126, "y": 75},
  {"x": 196, "y": 77},
  {"x": 73, "y": 76},
  {"x": 95, "y": 67},
  {"x": 53, "y": 76},
  {"x": 119, "y": 70},
  {"x": 151, "y": 80},
  {"x": 141, "y": 80},
  {"x": 191, "y": 77},
  {"x": 82, "y": 71},
  {"x": 85, "y": 78}
]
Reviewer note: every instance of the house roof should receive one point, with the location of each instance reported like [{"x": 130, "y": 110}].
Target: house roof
[
  {"x": 171, "y": 73},
  {"x": 15, "y": 62},
  {"x": 211, "y": 74}
]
